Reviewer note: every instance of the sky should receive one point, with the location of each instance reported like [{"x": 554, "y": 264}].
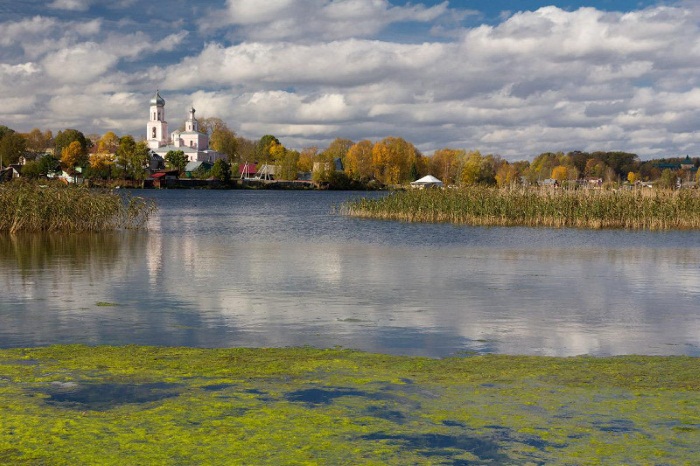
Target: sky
[{"x": 509, "y": 77}]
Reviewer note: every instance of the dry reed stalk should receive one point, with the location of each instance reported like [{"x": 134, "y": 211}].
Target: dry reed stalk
[
  {"x": 650, "y": 210},
  {"x": 31, "y": 207}
]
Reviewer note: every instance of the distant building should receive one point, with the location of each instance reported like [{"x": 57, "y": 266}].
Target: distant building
[
  {"x": 193, "y": 167},
  {"x": 550, "y": 183},
  {"x": 335, "y": 165},
  {"x": 9, "y": 173},
  {"x": 686, "y": 164},
  {"x": 247, "y": 170},
  {"x": 428, "y": 181},
  {"x": 194, "y": 144}
]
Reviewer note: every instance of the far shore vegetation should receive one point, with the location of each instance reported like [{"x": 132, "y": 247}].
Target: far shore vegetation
[
  {"x": 124, "y": 160},
  {"x": 54, "y": 207},
  {"x": 146, "y": 405},
  {"x": 538, "y": 207}
]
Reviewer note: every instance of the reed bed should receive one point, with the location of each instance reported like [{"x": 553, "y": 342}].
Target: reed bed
[
  {"x": 534, "y": 207},
  {"x": 29, "y": 207}
]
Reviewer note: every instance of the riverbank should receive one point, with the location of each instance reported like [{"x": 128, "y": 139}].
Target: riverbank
[
  {"x": 643, "y": 209},
  {"x": 343, "y": 184},
  {"x": 147, "y": 405}
]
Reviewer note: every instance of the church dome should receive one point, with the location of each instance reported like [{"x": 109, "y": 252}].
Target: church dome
[{"x": 157, "y": 100}]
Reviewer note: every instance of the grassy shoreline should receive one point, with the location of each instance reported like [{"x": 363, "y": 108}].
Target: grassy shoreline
[
  {"x": 534, "y": 207},
  {"x": 54, "y": 207},
  {"x": 145, "y": 405}
]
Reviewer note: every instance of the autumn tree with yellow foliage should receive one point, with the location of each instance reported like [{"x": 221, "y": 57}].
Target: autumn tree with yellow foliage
[
  {"x": 108, "y": 143},
  {"x": 72, "y": 157},
  {"x": 358, "y": 160},
  {"x": 446, "y": 164},
  {"x": 559, "y": 173},
  {"x": 506, "y": 175},
  {"x": 394, "y": 160},
  {"x": 306, "y": 159}
]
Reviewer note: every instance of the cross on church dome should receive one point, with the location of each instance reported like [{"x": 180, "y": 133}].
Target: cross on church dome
[{"x": 157, "y": 99}]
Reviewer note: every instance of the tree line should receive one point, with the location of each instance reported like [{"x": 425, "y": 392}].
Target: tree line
[{"x": 390, "y": 161}]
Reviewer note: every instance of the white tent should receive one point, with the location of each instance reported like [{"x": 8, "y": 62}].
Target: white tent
[{"x": 427, "y": 182}]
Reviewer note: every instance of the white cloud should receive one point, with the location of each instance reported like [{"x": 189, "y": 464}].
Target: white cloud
[
  {"x": 80, "y": 64},
  {"x": 112, "y": 112},
  {"x": 18, "y": 105},
  {"x": 346, "y": 63},
  {"x": 32, "y": 29},
  {"x": 316, "y": 19},
  {"x": 140, "y": 45},
  {"x": 39, "y": 35},
  {"x": 72, "y": 5},
  {"x": 16, "y": 72}
]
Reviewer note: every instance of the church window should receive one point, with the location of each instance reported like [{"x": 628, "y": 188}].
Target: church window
[
  {"x": 158, "y": 116},
  {"x": 154, "y": 132}
]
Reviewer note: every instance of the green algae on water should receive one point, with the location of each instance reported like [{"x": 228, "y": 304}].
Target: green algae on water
[{"x": 145, "y": 405}]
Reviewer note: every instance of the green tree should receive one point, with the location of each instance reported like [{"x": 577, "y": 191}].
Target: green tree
[
  {"x": 132, "y": 158},
  {"x": 221, "y": 171},
  {"x": 471, "y": 169},
  {"x": 12, "y": 146},
  {"x": 541, "y": 168},
  {"x": 621, "y": 162},
  {"x": 31, "y": 170},
  {"x": 4, "y": 130},
  {"x": 667, "y": 179},
  {"x": 337, "y": 149},
  {"x": 38, "y": 142},
  {"x": 101, "y": 166},
  {"x": 48, "y": 165},
  {"x": 287, "y": 165},
  {"x": 64, "y": 138},
  {"x": 246, "y": 150},
  {"x": 140, "y": 160},
  {"x": 223, "y": 140},
  {"x": 263, "y": 147},
  {"x": 595, "y": 168},
  {"x": 579, "y": 160},
  {"x": 489, "y": 166},
  {"x": 176, "y": 160},
  {"x": 124, "y": 153},
  {"x": 202, "y": 172}
]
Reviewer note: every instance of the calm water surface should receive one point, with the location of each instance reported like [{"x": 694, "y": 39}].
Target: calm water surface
[{"x": 281, "y": 268}]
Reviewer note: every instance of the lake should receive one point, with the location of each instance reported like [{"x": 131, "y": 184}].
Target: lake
[{"x": 284, "y": 268}]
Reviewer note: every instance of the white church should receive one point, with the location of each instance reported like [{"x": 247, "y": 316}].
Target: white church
[{"x": 194, "y": 144}]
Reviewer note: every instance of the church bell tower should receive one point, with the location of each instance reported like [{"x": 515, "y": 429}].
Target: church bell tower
[{"x": 157, "y": 127}]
